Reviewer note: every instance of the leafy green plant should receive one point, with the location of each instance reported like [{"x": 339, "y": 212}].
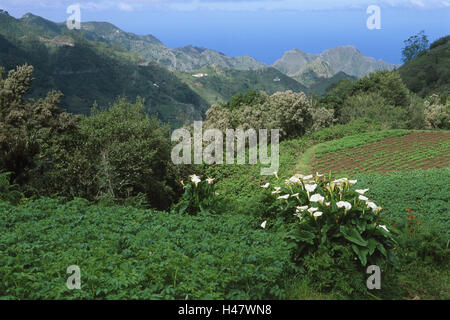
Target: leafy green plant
[
  {"x": 130, "y": 253},
  {"x": 9, "y": 192},
  {"x": 199, "y": 197},
  {"x": 332, "y": 226},
  {"x": 330, "y": 211}
]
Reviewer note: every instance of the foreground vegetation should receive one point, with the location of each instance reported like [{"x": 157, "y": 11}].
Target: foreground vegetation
[
  {"x": 128, "y": 253},
  {"x": 86, "y": 190}
]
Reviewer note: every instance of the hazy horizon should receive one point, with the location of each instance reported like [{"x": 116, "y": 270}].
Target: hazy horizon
[{"x": 264, "y": 33}]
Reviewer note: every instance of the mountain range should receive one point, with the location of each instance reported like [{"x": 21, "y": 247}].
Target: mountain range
[
  {"x": 100, "y": 62},
  {"x": 309, "y": 69}
]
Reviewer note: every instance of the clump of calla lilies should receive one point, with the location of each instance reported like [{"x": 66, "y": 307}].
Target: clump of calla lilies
[{"x": 325, "y": 210}]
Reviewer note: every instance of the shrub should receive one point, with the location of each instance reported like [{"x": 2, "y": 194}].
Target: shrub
[
  {"x": 376, "y": 107},
  {"x": 321, "y": 118},
  {"x": 331, "y": 225},
  {"x": 385, "y": 88},
  {"x": 117, "y": 153},
  {"x": 27, "y": 126},
  {"x": 129, "y": 253},
  {"x": 343, "y": 130},
  {"x": 287, "y": 111},
  {"x": 9, "y": 192},
  {"x": 437, "y": 116}
]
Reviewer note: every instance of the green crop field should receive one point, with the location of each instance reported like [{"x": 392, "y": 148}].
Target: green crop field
[{"x": 383, "y": 152}]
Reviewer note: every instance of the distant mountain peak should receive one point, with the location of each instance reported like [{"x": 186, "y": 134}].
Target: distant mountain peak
[
  {"x": 345, "y": 58},
  {"x": 29, "y": 15}
]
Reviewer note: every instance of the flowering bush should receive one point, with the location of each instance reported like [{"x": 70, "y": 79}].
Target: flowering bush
[
  {"x": 288, "y": 111},
  {"x": 199, "y": 196},
  {"x": 331, "y": 213},
  {"x": 437, "y": 115}
]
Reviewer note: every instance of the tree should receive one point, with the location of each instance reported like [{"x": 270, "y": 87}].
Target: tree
[
  {"x": 414, "y": 46},
  {"x": 288, "y": 111},
  {"x": 26, "y": 126},
  {"x": 126, "y": 154}
]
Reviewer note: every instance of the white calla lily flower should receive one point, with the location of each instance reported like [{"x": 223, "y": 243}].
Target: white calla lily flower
[
  {"x": 344, "y": 204},
  {"x": 361, "y": 191},
  {"x": 294, "y": 179},
  {"x": 317, "y": 198},
  {"x": 373, "y": 206},
  {"x": 318, "y": 214},
  {"x": 311, "y": 210},
  {"x": 310, "y": 187},
  {"x": 195, "y": 179}
]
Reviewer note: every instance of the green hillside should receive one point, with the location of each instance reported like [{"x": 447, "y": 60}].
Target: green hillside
[
  {"x": 88, "y": 71},
  {"x": 85, "y": 76},
  {"x": 100, "y": 62},
  {"x": 221, "y": 84},
  {"x": 322, "y": 86},
  {"x": 430, "y": 72}
]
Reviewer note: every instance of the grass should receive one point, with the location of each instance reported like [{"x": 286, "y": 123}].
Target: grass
[{"x": 241, "y": 183}]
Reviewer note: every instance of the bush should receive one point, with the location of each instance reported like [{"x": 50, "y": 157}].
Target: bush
[
  {"x": 199, "y": 197},
  {"x": 117, "y": 153},
  {"x": 287, "y": 111},
  {"x": 373, "y": 106},
  {"x": 378, "y": 92},
  {"x": 343, "y": 130},
  {"x": 321, "y": 118},
  {"x": 332, "y": 225},
  {"x": 437, "y": 116},
  {"x": 128, "y": 253},
  {"x": 9, "y": 192},
  {"x": 27, "y": 126}
]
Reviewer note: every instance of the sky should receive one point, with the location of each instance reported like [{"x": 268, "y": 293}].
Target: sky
[{"x": 263, "y": 29}]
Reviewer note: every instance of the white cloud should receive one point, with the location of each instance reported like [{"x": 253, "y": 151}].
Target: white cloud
[
  {"x": 242, "y": 5},
  {"x": 125, "y": 6}
]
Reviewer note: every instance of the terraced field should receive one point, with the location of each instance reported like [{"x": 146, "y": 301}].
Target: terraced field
[{"x": 411, "y": 151}]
